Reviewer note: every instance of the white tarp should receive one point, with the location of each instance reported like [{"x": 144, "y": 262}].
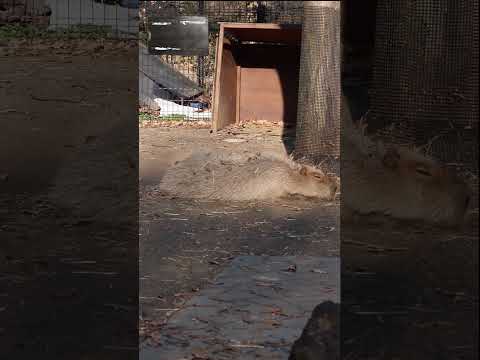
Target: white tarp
[{"x": 169, "y": 108}]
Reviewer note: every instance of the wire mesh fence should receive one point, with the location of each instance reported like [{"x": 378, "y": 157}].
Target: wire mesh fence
[
  {"x": 425, "y": 79},
  {"x": 318, "y": 119},
  {"x": 181, "y": 87}
]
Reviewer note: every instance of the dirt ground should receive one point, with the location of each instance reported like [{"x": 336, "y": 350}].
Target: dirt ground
[
  {"x": 184, "y": 244},
  {"x": 409, "y": 291},
  {"x": 68, "y": 283},
  {"x": 409, "y": 286}
]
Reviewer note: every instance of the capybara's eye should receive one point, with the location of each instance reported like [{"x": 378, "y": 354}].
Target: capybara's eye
[{"x": 423, "y": 171}]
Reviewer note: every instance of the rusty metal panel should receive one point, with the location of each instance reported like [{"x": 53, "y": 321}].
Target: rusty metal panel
[
  {"x": 262, "y": 96},
  {"x": 269, "y": 87},
  {"x": 225, "y": 91},
  {"x": 259, "y": 80},
  {"x": 228, "y": 89},
  {"x": 286, "y": 34}
]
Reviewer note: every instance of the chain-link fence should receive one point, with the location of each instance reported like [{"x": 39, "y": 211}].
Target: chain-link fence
[
  {"x": 180, "y": 87},
  {"x": 110, "y": 18}
]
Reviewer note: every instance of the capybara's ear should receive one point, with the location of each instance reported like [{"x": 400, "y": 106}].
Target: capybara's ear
[
  {"x": 391, "y": 158},
  {"x": 303, "y": 171}
]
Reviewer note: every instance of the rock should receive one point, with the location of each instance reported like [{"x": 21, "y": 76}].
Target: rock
[{"x": 320, "y": 337}]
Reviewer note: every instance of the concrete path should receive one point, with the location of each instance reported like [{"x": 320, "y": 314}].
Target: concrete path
[{"x": 255, "y": 309}]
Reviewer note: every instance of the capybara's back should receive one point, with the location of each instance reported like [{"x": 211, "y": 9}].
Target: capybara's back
[
  {"x": 244, "y": 177},
  {"x": 397, "y": 181}
]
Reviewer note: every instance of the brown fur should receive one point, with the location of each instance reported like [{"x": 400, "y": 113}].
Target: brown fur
[
  {"x": 244, "y": 177},
  {"x": 396, "y": 181}
]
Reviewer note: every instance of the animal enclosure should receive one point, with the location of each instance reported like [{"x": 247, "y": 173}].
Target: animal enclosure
[{"x": 183, "y": 75}]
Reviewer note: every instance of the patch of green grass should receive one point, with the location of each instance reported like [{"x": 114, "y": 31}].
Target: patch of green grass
[
  {"x": 173, "y": 117},
  {"x": 149, "y": 117},
  {"x": 95, "y": 31},
  {"x": 145, "y": 117},
  {"x": 143, "y": 37},
  {"x": 19, "y": 31}
]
